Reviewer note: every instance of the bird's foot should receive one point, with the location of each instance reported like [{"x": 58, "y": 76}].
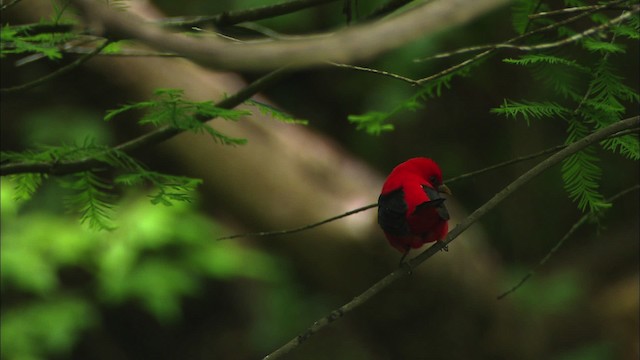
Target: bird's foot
[
  {"x": 445, "y": 248},
  {"x": 406, "y": 266}
]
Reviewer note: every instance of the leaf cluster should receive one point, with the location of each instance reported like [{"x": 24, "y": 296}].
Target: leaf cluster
[
  {"x": 585, "y": 106},
  {"x": 20, "y": 40},
  {"x": 171, "y": 109},
  {"x": 93, "y": 193},
  {"x": 90, "y": 193},
  {"x": 154, "y": 261}
]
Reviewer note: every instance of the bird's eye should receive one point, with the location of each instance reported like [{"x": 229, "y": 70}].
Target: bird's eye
[{"x": 433, "y": 180}]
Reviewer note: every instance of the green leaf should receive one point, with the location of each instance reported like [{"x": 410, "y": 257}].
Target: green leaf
[
  {"x": 377, "y": 122},
  {"x": 26, "y": 184},
  {"x": 169, "y": 188},
  {"x": 531, "y": 59},
  {"x": 269, "y": 110},
  {"x": 531, "y": 109},
  {"x": 603, "y": 46},
  {"x": 627, "y": 146},
  {"x": 521, "y": 9},
  {"x": 626, "y": 31},
  {"x": 26, "y": 331},
  {"x": 159, "y": 286},
  {"x": 16, "y": 40},
  {"x": 372, "y": 122},
  {"x": 91, "y": 199},
  {"x": 170, "y": 109},
  {"x": 581, "y": 173}
]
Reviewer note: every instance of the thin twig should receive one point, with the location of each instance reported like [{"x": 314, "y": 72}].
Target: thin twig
[
  {"x": 63, "y": 70},
  {"x": 453, "y": 234},
  {"x": 506, "y": 163},
  {"x": 609, "y": 6},
  {"x": 9, "y": 4},
  {"x": 557, "y": 246},
  {"x": 491, "y": 50},
  {"x": 453, "y": 68},
  {"x": 301, "y": 228},
  {"x": 151, "y": 138},
  {"x": 375, "y": 71},
  {"x": 508, "y": 44}
]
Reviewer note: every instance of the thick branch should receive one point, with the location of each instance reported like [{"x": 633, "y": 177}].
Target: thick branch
[
  {"x": 354, "y": 43},
  {"x": 459, "y": 229}
]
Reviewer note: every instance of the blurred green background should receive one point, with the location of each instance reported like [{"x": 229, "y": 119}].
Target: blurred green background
[{"x": 161, "y": 287}]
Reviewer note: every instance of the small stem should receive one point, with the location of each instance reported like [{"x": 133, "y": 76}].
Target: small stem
[{"x": 63, "y": 70}]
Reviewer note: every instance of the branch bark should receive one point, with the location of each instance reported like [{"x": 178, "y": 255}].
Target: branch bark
[{"x": 348, "y": 45}]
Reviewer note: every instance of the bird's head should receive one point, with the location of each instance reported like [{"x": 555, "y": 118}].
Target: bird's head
[{"x": 428, "y": 170}]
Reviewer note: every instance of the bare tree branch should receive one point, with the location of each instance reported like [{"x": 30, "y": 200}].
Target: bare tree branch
[
  {"x": 459, "y": 229},
  {"x": 561, "y": 242},
  {"x": 301, "y": 228},
  {"x": 610, "y": 6},
  {"x": 354, "y": 43}
]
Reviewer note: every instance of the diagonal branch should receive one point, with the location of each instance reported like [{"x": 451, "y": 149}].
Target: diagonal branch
[
  {"x": 459, "y": 229},
  {"x": 561, "y": 242},
  {"x": 354, "y": 43}
]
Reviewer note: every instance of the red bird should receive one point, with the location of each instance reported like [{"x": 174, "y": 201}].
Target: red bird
[{"x": 411, "y": 210}]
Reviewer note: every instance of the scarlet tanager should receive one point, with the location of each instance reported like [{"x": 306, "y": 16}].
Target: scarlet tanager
[{"x": 411, "y": 210}]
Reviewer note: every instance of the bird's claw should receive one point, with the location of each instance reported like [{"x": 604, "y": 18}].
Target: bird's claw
[
  {"x": 406, "y": 266},
  {"x": 445, "y": 248}
]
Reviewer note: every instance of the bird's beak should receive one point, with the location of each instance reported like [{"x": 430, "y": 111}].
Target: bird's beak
[{"x": 444, "y": 189}]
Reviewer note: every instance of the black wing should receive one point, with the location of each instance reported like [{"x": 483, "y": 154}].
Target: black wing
[
  {"x": 392, "y": 210},
  {"x": 436, "y": 201}
]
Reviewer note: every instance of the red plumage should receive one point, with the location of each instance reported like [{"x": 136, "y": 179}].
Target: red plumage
[{"x": 411, "y": 210}]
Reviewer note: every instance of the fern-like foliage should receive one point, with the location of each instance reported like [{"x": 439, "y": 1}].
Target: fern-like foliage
[
  {"x": 168, "y": 188},
  {"x": 277, "y": 114},
  {"x": 26, "y": 185},
  {"x": 587, "y": 105},
  {"x": 581, "y": 173},
  {"x": 171, "y": 109},
  {"x": 520, "y": 11},
  {"x": 531, "y": 59},
  {"x": 377, "y": 122},
  {"x": 531, "y": 110},
  {"x": 91, "y": 198},
  {"x": 18, "y": 40}
]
